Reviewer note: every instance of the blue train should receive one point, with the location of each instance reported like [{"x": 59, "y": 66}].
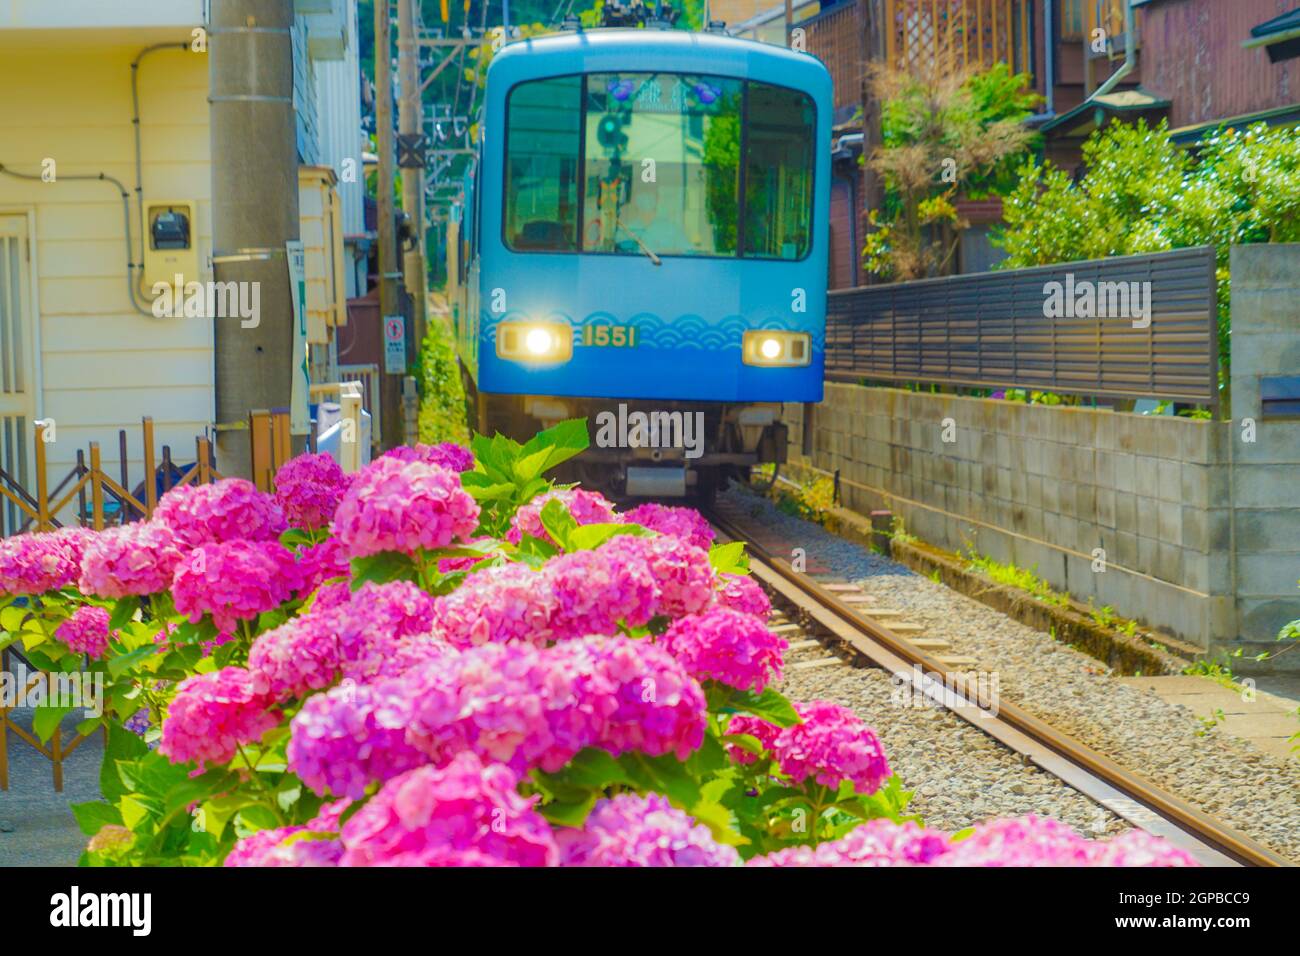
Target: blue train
[{"x": 643, "y": 242}]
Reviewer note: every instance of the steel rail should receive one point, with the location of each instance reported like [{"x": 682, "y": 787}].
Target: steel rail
[{"x": 1123, "y": 792}]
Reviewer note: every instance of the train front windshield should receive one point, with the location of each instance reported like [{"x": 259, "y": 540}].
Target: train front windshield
[{"x": 659, "y": 164}]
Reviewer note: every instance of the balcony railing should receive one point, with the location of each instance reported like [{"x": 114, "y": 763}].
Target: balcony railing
[{"x": 959, "y": 34}]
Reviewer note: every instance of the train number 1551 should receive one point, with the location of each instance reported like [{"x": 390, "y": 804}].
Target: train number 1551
[{"x": 618, "y": 336}]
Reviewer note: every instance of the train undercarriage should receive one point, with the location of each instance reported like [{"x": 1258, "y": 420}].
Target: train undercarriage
[{"x": 647, "y": 448}]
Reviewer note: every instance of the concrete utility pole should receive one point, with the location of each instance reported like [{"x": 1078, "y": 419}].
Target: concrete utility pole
[
  {"x": 254, "y": 210},
  {"x": 390, "y": 384},
  {"x": 409, "y": 120}
]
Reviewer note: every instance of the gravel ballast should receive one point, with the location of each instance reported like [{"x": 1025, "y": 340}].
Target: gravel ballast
[{"x": 962, "y": 776}]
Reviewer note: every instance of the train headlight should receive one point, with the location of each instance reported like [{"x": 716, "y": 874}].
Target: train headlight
[
  {"x": 535, "y": 342},
  {"x": 776, "y": 349}
]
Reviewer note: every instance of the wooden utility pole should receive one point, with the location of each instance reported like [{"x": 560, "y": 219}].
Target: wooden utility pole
[
  {"x": 254, "y": 211},
  {"x": 872, "y": 25},
  {"x": 390, "y": 383},
  {"x": 409, "y": 121},
  {"x": 789, "y": 21}
]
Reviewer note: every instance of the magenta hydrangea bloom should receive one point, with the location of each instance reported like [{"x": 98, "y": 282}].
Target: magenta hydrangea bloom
[
  {"x": 322, "y": 562},
  {"x": 728, "y": 646},
  {"x": 359, "y": 636},
  {"x": 631, "y": 830},
  {"x": 308, "y": 489},
  {"x": 537, "y": 708},
  {"x": 682, "y": 574},
  {"x": 874, "y": 843},
  {"x": 447, "y": 455},
  {"x": 507, "y": 602},
  {"x": 685, "y": 523},
  {"x": 352, "y": 734},
  {"x": 395, "y": 505},
  {"x": 464, "y": 812},
  {"x": 830, "y": 746},
  {"x": 235, "y": 581},
  {"x": 765, "y": 731},
  {"x": 138, "y": 558},
  {"x": 1021, "y": 841},
  {"x": 86, "y": 631},
  {"x": 1139, "y": 848},
  {"x": 36, "y": 563},
  {"x": 214, "y": 714},
  {"x": 274, "y": 848},
  {"x": 742, "y": 593},
  {"x": 231, "y": 509},
  {"x": 594, "y": 591},
  {"x": 586, "y": 507},
  {"x": 512, "y": 703}
]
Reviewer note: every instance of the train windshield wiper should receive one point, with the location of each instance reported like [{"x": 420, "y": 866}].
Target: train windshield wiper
[{"x": 637, "y": 239}]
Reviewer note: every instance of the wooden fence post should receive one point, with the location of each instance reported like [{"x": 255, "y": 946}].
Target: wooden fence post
[
  {"x": 96, "y": 489},
  {"x": 42, "y": 492},
  {"x": 150, "y": 476}
]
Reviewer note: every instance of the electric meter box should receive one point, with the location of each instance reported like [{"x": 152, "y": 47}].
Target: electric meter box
[{"x": 170, "y": 243}]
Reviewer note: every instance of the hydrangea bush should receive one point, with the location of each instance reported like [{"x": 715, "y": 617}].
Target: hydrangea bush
[{"x": 447, "y": 660}]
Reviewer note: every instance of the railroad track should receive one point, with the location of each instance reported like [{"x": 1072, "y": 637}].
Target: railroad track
[{"x": 846, "y": 621}]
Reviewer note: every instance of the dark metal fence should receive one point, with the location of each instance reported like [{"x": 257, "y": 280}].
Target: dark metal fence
[{"x": 1015, "y": 329}]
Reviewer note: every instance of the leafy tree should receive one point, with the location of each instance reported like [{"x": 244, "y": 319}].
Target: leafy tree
[
  {"x": 1143, "y": 193},
  {"x": 945, "y": 133}
]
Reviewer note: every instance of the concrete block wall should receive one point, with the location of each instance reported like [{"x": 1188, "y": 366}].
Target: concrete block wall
[
  {"x": 1265, "y": 473},
  {"x": 1199, "y": 532}
]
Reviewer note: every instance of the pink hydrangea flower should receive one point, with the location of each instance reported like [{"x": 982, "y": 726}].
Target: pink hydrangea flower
[
  {"x": 728, "y": 646},
  {"x": 228, "y": 510},
  {"x": 594, "y": 591},
  {"x": 466, "y": 812},
  {"x": 308, "y": 489},
  {"x": 763, "y": 730},
  {"x": 86, "y": 631},
  {"x": 359, "y": 636},
  {"x": 36, "y": 563},
  {"x": 874, "y": 843},
  {"x": 352, "y": 734},
  {"x": 138, "y": 558},
  {"x": 1020, "y": 841},
  {"x": 447, "y": 455},
  {"x": 830, "y": 746},
  {"x": 214, "y": 714},
  {"x": 1139, "y": 848},
  {"x": 631, "y": 830},
  {"x": 507, "y": 602},
  {"x": 404, "y": 506},
  {"x": 322, "y": 562},
  {"x": 586, "y": 507},
  {"x": 742, "y": 593},
  {"x": 682, "y": 574},
  {"x": 509, "y": 703},
  {"x": 1038, "y": 841},
  {"x": 274, "y": 848},
  {"x": 685, "y": 523},
  {"x": 235, "y": 581}
]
